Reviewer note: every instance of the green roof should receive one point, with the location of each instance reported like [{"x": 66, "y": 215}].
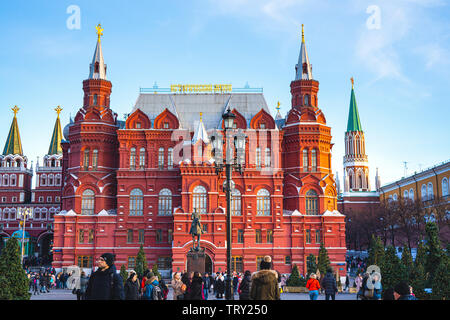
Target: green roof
[
  {"x": 55, "y": 143},
  {"x": 13, "y": 144},
  {"x": 353, "y": 116}
]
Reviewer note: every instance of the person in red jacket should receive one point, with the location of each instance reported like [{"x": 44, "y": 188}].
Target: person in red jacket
[{"x": 313, "y": 286}]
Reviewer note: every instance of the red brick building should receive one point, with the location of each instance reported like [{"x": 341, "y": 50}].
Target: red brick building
[
  {"x": 133, "y": 183},
  {"x": 16, "y": 191}
]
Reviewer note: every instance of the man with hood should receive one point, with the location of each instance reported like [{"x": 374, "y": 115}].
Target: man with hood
[
  {"x": 264, "y": 283},
  {"x": 329, "y": 285},
  {"x": 105, "y": 283}
]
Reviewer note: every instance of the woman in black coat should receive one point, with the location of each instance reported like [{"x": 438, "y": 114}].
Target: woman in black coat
[
  {"x": 132, "y": 287},
  {"x": 220, "y": 287},
  {"x": 244, "y": 286},
  {"x": 196, "y": 287}
]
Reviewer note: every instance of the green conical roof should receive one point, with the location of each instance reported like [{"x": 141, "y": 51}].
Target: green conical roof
[
  {"x": 13, "y": 144},
  {"x": 55, "y": 143},
  {"x": 353, "y": 116}
]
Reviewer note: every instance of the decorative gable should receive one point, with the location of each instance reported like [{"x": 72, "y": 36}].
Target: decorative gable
[
  {"x": 262, "y": 120},
  {"x": 166, "y": 120},
  {"x": 138, "y": 120}
]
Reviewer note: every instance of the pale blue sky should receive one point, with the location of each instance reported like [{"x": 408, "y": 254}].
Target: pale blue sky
[{"x": 398, "y": 51}]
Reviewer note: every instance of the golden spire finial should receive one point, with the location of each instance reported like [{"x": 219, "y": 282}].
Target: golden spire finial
[
  {"x": 58, "y": 110},
  {"x": 201, "y": 116},
  {"x": 353, "y": 81},
  {"x": 99, "y": 31},
  {"x": 303, "y": 33},
  {"x": 278, "y": 106},
  {"x": 15, "y": 110}
]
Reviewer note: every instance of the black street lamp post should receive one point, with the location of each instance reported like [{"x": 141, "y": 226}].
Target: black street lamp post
[{"x": 234, "y": 158}]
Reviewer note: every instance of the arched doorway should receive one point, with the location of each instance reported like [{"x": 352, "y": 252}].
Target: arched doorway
[
  {"x": 45, "y": 244},
  {"x": 208, "y": 264}
]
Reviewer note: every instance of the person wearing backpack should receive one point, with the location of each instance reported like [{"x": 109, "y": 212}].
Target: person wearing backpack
[
  {"x": 164, "y": 289},
  {"x": 152, "y": 289},
  {"x": 105, "y": 283}
]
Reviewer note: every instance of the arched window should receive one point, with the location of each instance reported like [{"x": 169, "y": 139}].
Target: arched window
[
  {"x": 87, "y": 202},
  {"x": 37, "y": 213},
  {"x": 268, "y": 156},
  {"x": 405, "y": 195},
  {"x": 312, "y": 201},
  {"x": 305, "y": 160},
  {"x": 306, "y": 99},
  {"x": 142, "y": 158},
  {"x": 423, "y": 192},
  {"x": 161, "y": 158},
  {"x": 58, "y": 180},
  {"x": 165, "y": 202},
  {"x": 44, "y": 214},
  {"x": 314, "y": 160},
  {"x": 444, "y": 187},
  {"x": 170, "y": 158},
  {"x": 95, "y": 100},
  {"x": 50, "y": 180},
  {"x": 394, "y": 197},
  {"x": 199, "y": 197},
  {"x": 94, "y": 158},
  {"x": 12, "y": 180},
  {"x": 43, "y": 180},
  {"x": 411, "y": 194},
  {"x": 132, "y": 158},
  {"x": 136, "y": 202},
  {"x": 86, "y": 159},
  {"x": 258, "y": 158},
  {"x": 350, "y": 180},
  {"x": 359, "y": 186},
  {"x": 1, "y": 180},
  {"x": 263, "y": 203},
  {"x": 236, "y": 203},
  {"x": 430, "y": 191}
]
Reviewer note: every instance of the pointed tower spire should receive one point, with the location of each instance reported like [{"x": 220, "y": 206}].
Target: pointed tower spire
[
  {"x": 200, "y": 132},
  {"x": 278, "y": 115},
  {"x": 354, "y": 123},
  {"x": 97, "y": 69},
  {"x": 13, "y": 144},
  {"x": 55, "y": 143},
  {"x": 303, "y": 69}
]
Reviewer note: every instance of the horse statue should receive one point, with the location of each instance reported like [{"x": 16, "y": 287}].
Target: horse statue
[{"x": 196, "y": 230}]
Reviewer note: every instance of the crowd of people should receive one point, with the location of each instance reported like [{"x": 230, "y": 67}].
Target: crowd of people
[{"x": 44, "y": 280}]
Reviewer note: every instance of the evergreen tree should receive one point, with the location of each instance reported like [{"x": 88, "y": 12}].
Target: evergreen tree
[
  {"x": 156, "y": 272},
  {"x": 434, "y": 250},
  {"x": 392, "y": 271},
  {"x": 407, "y": 262},
  {"x": 323, "y": 261},
  {"x": 311, "y": 265},
  {"x": 441, "y": 281},
  {"x": 124, "y": 273},
  {"x": 294, "y": 279},
  {"x": 14, "y": 283},
  {"x": 376, "y": 252},
  {"x": 418, "y": 276},
  {"x": 141, "y": 262}
]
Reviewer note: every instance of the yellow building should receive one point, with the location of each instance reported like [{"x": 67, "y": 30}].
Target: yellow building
[{"x": 430, "y": 186}]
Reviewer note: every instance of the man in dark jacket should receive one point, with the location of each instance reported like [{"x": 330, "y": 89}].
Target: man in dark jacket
[
  {"x": 105, "y": 283},
  {"x": 244, "y": 286},
  {"x": 206, "y": 285},
  {"x": 403, "y": 292},
  {"x": 329, "y": 285}
]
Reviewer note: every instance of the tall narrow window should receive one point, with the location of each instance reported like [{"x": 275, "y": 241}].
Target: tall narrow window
[
  {"x": 95, "y": 99},
  {"x": 411, "y": 194},
  {"x": 132, "y": 158},
  {"x": 268, "y": 156},
  {"x": 142, "y": 158},
  {"x": 141, "y": 236},
  {"x": 444, "y": 187},
  {"x": 81, "y": 236},
  {"x": 313, "y": 160},
  {"x": 130, "y": 235},
  {"x": 240, "y": 236},
  {"x": 430, "y": 191},
  {"x": 263, "y": 203},
  {"x": 161, "y": 158},
  {"x": 136, "y": 202},
  {"x": 170, "y": 158},
  {"x": 87, "y": 202},
  {"x": 165, "y": 202},
  {"x": 86, "y": 159},
  {"x": 258, "y": 235},
  {"x": 159, "y": 236},
  {"x": 236, "y": 203},
  {"x": 305, "y": 160},
  {"x": 169, "y": 235},
  {"x": 308, "y": 236},
  {"x": 269, "y": 236},
  {"x": 91, "y": 236},
  {"x": 199, "y": 197},
  {"x": 423, "y": 192},
  {"x": 12, "y": 180},
  {"x": 58, "y": 180},
  {"x": 258, "y": 158},
  {"x": 318, "y": 236},
  {"x": 312, "y": 203},
  {"x": 94, "y": 158}
]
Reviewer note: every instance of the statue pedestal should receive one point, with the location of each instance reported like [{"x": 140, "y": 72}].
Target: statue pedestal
[{"x": 196, "y": 261}]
